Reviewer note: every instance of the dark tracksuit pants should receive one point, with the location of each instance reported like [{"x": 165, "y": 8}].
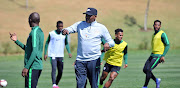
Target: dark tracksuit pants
[
  {"x": 150, "y": 64},
  {"x": 56, "y": 63},
  {"x": 32, "y": 77},
  {"x": 87, "y": 69}
]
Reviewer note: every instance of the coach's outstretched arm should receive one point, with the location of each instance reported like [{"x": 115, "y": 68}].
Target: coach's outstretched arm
[
  {"x": 14, "y": 38},
  {"x": 71, "y": 29},
  {"x": 107, "y": 37}
]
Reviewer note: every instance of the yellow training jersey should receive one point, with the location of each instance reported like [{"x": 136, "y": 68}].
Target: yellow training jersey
[
  {"x": 157, "y": 44},
  {"x": 114, "y": 56}
]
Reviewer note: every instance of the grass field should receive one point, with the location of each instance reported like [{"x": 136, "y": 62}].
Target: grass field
[{"x": 132, "y": 77}]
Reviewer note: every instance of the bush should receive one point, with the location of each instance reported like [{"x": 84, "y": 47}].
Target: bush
[
  {"x": 18, "y": 50},
  {"x": 143, "y": 45},
  {"x": 6, "y": 47}
]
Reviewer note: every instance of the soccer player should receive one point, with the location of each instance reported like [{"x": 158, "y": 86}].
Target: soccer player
[
  {"x": 160, "y": 46},
  {"x": 90, "y": 33},
  {"x": 55, "y": 44},
  {"x": 114, "y": 57},
  {"x": 33, "y": 51}
]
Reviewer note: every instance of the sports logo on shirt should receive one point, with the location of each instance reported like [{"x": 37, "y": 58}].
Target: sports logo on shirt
[{"x": 58, "y": 39}]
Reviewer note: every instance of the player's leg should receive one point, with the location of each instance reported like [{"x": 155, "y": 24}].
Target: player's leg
[
  {"x": 156, "y": 80},
  {"x": 53, "y": 72},
  {"x": 60, "y": 69},
  {"x": 147, "y": 65},
  {"x": 154, "y": 61},
  {"x": 153, "y": 77},
  {"x": 30, "y": 79},
  {"x": 145, "y": 70},
  {"x": 93, "y": 69},
  {"x": 34, "y": 78},
  {"x": 27, "y": 79},
  {"x": 81, "y": 73},
  {"x": 153, "y": 65},
  {"x": 106, "y": 70},
  {"x": 85, "y": 84},
  {"x": 103, "y": 77},
  {"x": 114, "y": 73}
]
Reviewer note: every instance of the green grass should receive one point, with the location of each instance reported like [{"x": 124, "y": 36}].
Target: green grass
[{"x": 132, "y": 77}]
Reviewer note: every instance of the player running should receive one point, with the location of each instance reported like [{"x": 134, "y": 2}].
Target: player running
[
  {"x": 114, "y": 57},
  {"x": 55, "y": 44},
  {"x": 160, "y": 46}
]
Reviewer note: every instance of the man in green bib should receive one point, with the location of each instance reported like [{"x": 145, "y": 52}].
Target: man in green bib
[{"x": 160, "y": 46}]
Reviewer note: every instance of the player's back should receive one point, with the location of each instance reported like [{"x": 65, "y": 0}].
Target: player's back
[{"x": 40, "y": 38}]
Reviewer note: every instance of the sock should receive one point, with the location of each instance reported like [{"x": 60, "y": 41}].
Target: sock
[{"x": 54, "y": 85}]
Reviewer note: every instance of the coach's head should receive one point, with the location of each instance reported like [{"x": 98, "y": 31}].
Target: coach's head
[{"x": 91, "y": 14}]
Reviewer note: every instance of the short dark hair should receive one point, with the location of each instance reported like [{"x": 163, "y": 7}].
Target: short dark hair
[
  {"x": 34, "y": 17},
  {"x": 157, "y": 21},
  {"x": 59, "y": 22},
  {"x": 118, "y": 30}
]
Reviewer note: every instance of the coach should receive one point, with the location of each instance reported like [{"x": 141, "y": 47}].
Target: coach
[{"x": 90, "y": 33}]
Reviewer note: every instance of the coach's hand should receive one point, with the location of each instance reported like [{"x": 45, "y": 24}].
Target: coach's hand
[
  {"x": 106, "y": 46},
  {"x": 65, "y": 32},
  {"x": 70, "y": 55},
  {"x": 13, "y": 36},
  {"x": 24, "y": 72},
  {"x": 162, "y": 59},
  {"x": 125, "y": 65},
  {"x": 45, "y": 57}
]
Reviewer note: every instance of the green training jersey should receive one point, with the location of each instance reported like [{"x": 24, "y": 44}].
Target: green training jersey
[{"x": 33, "y": 49}]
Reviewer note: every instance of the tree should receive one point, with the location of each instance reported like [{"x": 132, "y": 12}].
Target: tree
[
  {"x": 146, "y": 15},
  {"x": 26, "y": 4}
]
